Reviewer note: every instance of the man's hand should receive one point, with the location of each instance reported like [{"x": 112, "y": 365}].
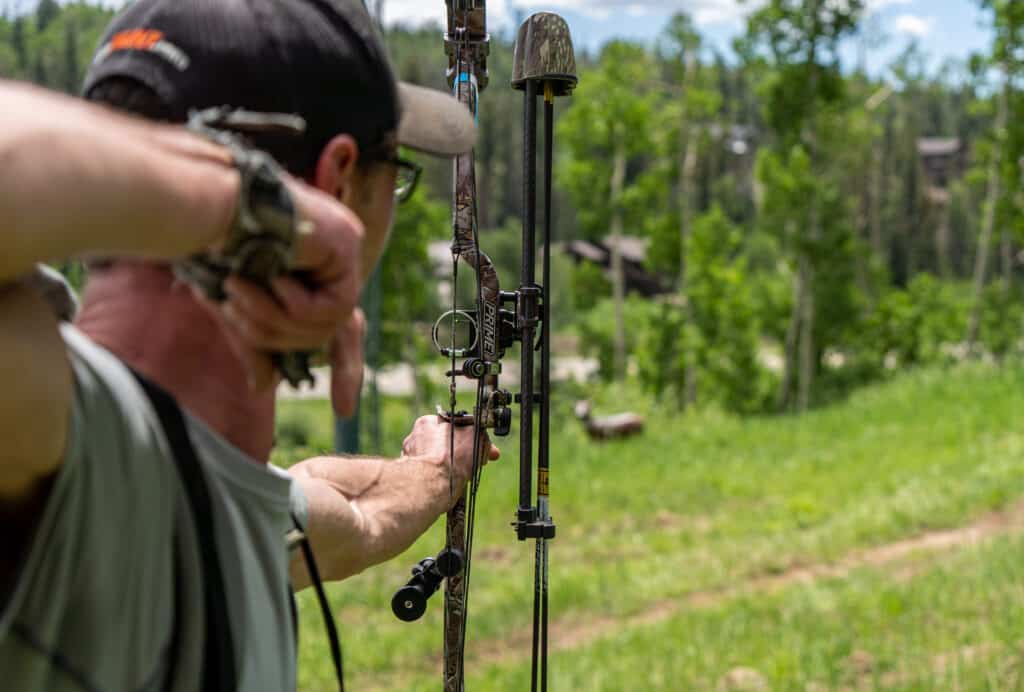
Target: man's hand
[
  {"x": 306, "y": 314},
  {"x": 431, "y": 439}
]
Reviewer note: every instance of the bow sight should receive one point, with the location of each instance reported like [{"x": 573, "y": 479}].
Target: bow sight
[{"x": 544, "y": 67}]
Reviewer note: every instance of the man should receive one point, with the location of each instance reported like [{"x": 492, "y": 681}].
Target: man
[{"x": 108, "y": 583}]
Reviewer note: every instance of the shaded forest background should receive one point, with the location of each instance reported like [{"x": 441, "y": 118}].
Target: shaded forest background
[{"x": 811, "y": 226}]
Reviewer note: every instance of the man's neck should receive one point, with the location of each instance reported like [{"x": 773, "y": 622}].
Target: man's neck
[{"x": 137, "y": 312}]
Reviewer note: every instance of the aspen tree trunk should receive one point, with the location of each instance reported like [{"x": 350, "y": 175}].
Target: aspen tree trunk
[
  {"x": 1006, "y": 255},
  {"x": 410, "y": 356},
  {"x": 618, "y": 273},
  {"x": 688, "y": 170},
  {"x": 988, "y": 225},
  {"x": 808, "y": 312},
  {"x": 785, "y": 396},
  {"x": 943, "y": 241},
  {"x": 875, "y": 210},
  {"x": 808, "y": 355}
]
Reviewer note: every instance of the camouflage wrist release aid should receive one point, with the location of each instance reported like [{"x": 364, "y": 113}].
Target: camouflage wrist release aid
[{"x": 260, "y": 245}]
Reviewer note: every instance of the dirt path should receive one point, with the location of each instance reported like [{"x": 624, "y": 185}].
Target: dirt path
[{"x": 571, "y": 635}]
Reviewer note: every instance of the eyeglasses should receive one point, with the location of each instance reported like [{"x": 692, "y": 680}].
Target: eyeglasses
[{"x": 407, "y": 178}]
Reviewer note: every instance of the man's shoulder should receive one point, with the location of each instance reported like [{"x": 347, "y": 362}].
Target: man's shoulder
[
  {"x": 95, "y": 367},
  {"x": 107, "y": 399}
]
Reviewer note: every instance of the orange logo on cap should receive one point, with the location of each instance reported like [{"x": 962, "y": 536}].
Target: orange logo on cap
[{"x": 135, "y": 39}]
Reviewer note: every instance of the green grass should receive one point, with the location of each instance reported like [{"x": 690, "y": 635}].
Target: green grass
[
  {"x": 700, "y": 503},
  {"x": 959, "y": 626}
]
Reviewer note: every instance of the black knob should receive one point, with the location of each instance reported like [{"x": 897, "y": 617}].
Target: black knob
[
  {"x": 502, "y": 421},
  {"x": 474, "y": 368},
  {"x": 409, "y": 603},
  {"x": 449, "y": 563}
]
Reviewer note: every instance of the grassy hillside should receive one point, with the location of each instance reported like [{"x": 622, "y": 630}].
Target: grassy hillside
[{"x": 684, "y": 557}]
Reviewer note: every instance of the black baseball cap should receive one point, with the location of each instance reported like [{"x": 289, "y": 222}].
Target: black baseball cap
[{"x": 320, "y": 59}]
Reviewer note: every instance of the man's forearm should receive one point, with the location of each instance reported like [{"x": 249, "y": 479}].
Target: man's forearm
[
  {"x": 79, "y": 180},
  {"x": 363, "y": 511}
]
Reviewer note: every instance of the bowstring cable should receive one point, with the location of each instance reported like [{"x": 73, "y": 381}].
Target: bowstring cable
[
  {"x": 452, "y": 385},
  {"x": 478, "y": 447}
]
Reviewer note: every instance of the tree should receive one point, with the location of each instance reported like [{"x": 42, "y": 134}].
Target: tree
[
  {"x": 799, "y": 39},
  {"x": 409, "y": 299},
  {"x": 686, "y": 119},
  {"x": 39, "y": 72},
  {"x": 71, "y": 65},
  {"x": 720, "y": 329},
  {"x": 1003, "y": 204},
  {"x": 46, "y": 12},
  {"x": 606, "y": 135},
  {"x": 18, "y": 44}
]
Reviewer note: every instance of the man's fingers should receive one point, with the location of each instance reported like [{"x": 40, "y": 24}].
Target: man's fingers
[
  {"x": 283, "y": 334},
  {"x": 325, "y": 306},
  {"x": 334, "y": 246}
]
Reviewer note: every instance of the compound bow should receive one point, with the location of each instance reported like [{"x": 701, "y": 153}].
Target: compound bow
[{"x": 544, "y": 65}]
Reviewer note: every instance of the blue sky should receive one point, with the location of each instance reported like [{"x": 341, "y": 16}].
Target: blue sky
[{"x": 943, "y": 28}]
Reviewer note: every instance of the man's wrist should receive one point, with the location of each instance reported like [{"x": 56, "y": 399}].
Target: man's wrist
[{"x": 259, "y": 244}]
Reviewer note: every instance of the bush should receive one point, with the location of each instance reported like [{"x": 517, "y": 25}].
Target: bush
[
  {"x": 713, "y": 331},
  {"x": 1002, "y": 317},
  {"x": 919, "y": 325},
  {"x": 596, "y": 330}
]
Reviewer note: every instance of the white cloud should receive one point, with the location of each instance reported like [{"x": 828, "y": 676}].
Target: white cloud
[
  {"x": 637, "y": 10},
  {"x": 500, "y": 12},
  {"x": 413, "y": 12},
  {"x": 914, "y": 25},
  {"x": 419, "y": 12},
  {"x": 873, "y": 6},
  {"x": 704, "y": 12}
]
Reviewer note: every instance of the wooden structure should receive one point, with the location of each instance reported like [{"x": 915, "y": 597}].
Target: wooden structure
[
  {"x": 943, "y": 160},
  {"x": 634, "y": 255}
]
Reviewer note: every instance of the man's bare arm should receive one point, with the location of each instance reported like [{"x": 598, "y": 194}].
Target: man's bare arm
[
  {"x": 34, "y": 401},
  {"x": 79, "y": 179},
  {"x": 363, "y": 511}
]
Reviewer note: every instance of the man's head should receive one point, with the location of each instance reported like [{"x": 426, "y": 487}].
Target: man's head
[{"x": 319, "y": 59}]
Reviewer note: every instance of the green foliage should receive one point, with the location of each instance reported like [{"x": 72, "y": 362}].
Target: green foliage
[
  {"x": 596, "y": 330},
  {"x": 770, "y": 278},
  {"x": 407, "y": 274},
  {"x": 54, "y": 46},
  {"x": 1008, "y": 57},
  {"x": 714, "y": 329},
  {"x": 47, "y": 11},
  {"x": 816, "y": 151},
  {"x": 1002, "y": 318},
  {"x": 801, "y": 39},
  {"x": 919, "y": 325},
  {"x": 610, "y": 112},
  {"x": 590, "y": 286}
]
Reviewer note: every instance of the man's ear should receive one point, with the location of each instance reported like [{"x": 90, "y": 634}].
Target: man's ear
[{"x": 337, "y": 166}]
